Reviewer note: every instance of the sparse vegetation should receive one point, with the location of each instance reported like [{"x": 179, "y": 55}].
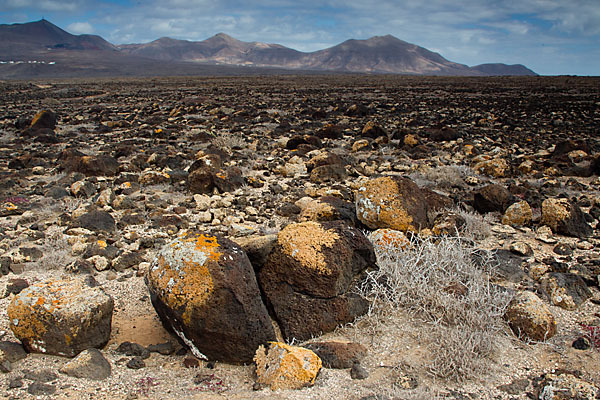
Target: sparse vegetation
[
  {"x": 444, "y": 176},
  {"x": 437, "y": 281},
  {"x": 228, "y": 141},
  {"x": 56, "y": 249},
  {"x": 477, "y": 226}
]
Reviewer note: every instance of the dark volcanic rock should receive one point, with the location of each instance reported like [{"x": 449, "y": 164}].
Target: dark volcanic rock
[
  {"x": 203, "y": 287},
  {"x": 565, "y": 217},
  {"x": 45, "y": 119},
  {"x": 307, "y": 277},
  {"x": 338, "y": 355},
  {"x": 492, "y": 198},
  {"x": 89, "y": 364},
  {"x": 97, "y": 220}
]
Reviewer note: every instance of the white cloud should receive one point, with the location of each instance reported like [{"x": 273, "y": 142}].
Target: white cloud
[{"x": 80, "y": 28}]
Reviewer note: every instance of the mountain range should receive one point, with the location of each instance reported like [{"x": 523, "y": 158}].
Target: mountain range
[{"x": 41, "y": 49}]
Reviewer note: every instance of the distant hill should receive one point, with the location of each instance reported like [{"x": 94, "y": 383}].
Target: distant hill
[
  {"x": 41, "y": 36},
  {"x": 503, "y": 69},
  {"x": 41, "y": 49}
]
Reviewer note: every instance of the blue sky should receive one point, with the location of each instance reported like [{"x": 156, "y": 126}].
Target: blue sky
[{"x": 549, "y": 36}]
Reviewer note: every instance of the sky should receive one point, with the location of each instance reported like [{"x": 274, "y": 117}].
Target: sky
[{"x": 552, "y": 37}]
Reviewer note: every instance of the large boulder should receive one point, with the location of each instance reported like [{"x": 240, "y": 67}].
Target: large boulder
[
  {"x": 203, "y": 287},
  {"x": 492, "y": 198},
  {"x": 286, "y": 367},
  {"x": 530, "y": 318},
  {"x": 308, "y": 277},
  {"x": 61, "y": 317},
  {"x": 565, "y": 217},
  {"x": 44, "y": 119},
  {"x": 392, "y": 202},
  {"x": 518, "y": 214}
]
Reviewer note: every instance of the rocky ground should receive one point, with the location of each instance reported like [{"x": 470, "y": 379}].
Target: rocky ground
[{"x": 115, "y": 169}]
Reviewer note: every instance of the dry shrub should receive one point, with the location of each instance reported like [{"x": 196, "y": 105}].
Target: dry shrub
[
  {"x": 477, "y": 226},
  {"x": 56, "y": 249},
  {"x": 228, "y": 141},
  {"x": 437, "y": 281},
  {"x": 443, "y": 176}
]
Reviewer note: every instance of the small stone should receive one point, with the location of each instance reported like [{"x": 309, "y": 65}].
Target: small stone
[
  {"x": 521, "y": 249},
  {"x": 286, "y": 367},
  {"x": 12, "y": 351},
  {"x": 518, "y": 214},
  {"x": 581, "y": 343},
  {"x": 530, "y": 318},
  {"x": 5, "y": 366},
  {"x": 165, "y": 349},
  {"x": 41, "y": 389},
  {"x": 563, "y": 249},
  {"x": 136, "y": 363},
  {"x": 15, "y": 383},
  {"x": 44, "y": 375},
  {"x": 191, "y": 362},
  {"x": 335, "y": 354},
  {"x": 358, "y": 371},
  {"x": 133, "y": 349},
  {"x": 89, "y": 364},
  {"x": 566, "y": 290}
]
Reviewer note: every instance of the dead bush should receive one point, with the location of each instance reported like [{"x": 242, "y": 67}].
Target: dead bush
[{"x": 438, "y": 282}]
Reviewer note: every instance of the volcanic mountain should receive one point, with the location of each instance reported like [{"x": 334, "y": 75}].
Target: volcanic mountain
[{"x": 41, "y": 49}]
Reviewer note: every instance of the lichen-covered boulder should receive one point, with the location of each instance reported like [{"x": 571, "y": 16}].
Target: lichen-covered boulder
[
  {"x": 328, "y": 208},
  {"x": 518, "y": 214},
  {"x": 286, "y": 367},
  {"x": 389, "y": 240},
  {"x": 44, "y": 119},
  {"x": 309, "y": 275},
  {"x": 496, "y": 167},
  {"x": 566, "y": 290},
  {"x": 530, "y": 318},
  {"x": 61, "y": 317},
  {"x": 565, "y": 217},
  {"x": 392, "y": 202},
  {"x": 203, "y": 287}
]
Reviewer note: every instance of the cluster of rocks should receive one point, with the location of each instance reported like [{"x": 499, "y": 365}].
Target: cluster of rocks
[{"x": 243, "y": 206}]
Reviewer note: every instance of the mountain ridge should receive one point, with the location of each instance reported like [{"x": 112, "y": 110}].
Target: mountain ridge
[{"x": 378, "y": 54}]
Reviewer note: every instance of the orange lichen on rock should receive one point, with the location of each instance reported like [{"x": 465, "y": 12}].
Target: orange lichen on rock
[
  {"x": 389, "y": 238},
  {"x": 379, "y": 204},
  {"x": 47, "y": 310},
  {"x": 286, "y": 367},
  {"x": 180, "y": 274},
  {"x": 304, "y": 242}
]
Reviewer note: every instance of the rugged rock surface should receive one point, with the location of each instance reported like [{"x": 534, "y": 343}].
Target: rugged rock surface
[
  {"x": 204, "y": 289},
  {"x": 286, "y": 367},
  {"x": 61, "y": 317},
  {"x": 530, "y": 318},
  {"x": 392, "y": 202},
  {"x": 276, "y": 131},
  {"x": 309, "y": 276}
]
